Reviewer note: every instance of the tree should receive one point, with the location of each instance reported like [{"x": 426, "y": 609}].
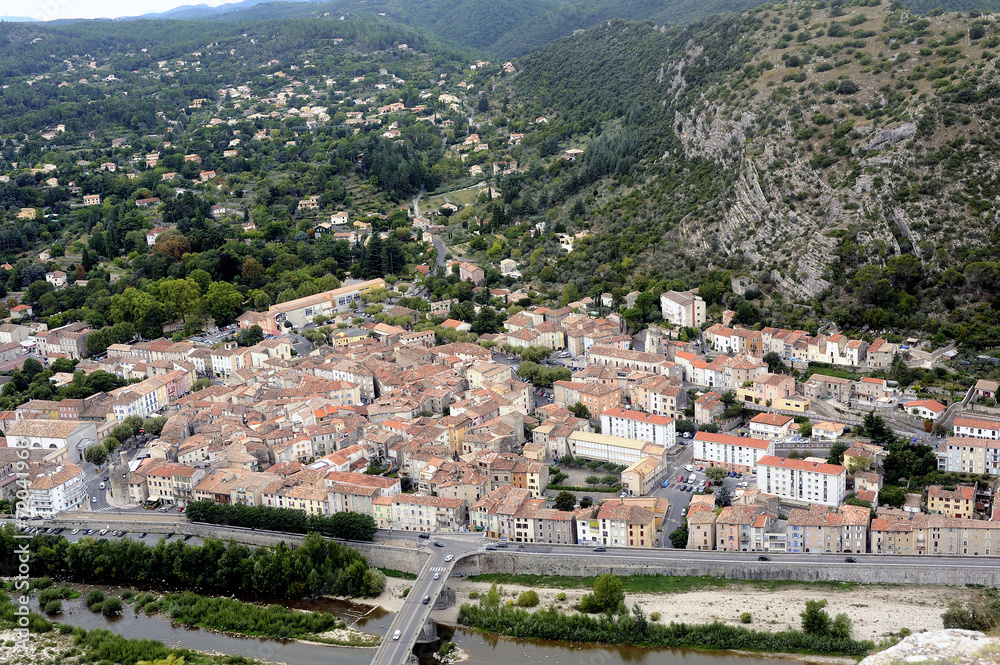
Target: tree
[
  {"x": 580, "y": 411},
  {"x": 153, "y": 425},
  {"x": 723, "y": 498},
  {"x": 487, "y": 321},
  {"x": 837, "y": 451},
  {"x": 841, "y": 627},
  {"x": 96, "y": 454},
  {"x": 874, "y": 427},
  {"x": 608, "y": 592},
  {"x": 111, "y": 444},
  {"x": 715, "y": 472},
  {"x": 890, "y": 495},
  {"x": 682, "y": 426},
  {"x": 223, "y": 301},
  {"x": 565, "y": 501},
  {"x": 131, "y": 305},
  {"x": 774, "y": 364},
  {"x": 251, "y": 336},
  {"x": 815, "y": 620},
  {"x": 679, "y": 536}
]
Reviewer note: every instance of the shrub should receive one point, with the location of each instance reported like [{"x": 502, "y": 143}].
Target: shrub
[
  {"x": 53, "y": 607},
  {"x": 43, "y": 582},
  {"x": 127, "y": 595},
  {"x": 528, "y": 599},
  {"x": 47, "y": 595},
  {"x": 94, "y": 598},
  {"x": 473, "y": 594},
  {"x": 561, "y": 595},
  {"x": 111, "y": 606},
  {"x": 654, "y": 616},
  {"x": 746, "y": 617}
]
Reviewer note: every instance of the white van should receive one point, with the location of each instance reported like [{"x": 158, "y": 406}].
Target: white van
[
  {"x": 692, "y": 479},
  {"x": 688, "y": 467}
]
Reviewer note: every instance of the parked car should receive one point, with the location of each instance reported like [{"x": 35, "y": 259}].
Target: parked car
[
  {"x": 665, "y": 483},
  {"x": 74, "y": 532}
]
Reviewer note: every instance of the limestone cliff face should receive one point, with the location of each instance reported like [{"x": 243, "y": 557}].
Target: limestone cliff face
[{"x": 954, "y": 647}]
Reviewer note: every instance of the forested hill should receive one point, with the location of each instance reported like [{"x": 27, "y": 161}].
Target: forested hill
[
  {"x": 512, "y": 28},
  {"x": 840, "y": 155}
]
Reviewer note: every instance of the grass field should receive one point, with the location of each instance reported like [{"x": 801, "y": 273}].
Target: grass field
[{"x": 656, "y": 583}]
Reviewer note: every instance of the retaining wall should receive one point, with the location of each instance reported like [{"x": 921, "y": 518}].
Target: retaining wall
[{"x": 881, "y": 572}]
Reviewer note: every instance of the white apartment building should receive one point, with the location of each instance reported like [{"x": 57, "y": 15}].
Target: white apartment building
[
  {"x": 638, "y": 425},
  {"x": 419, "y": 512},
  {"x": 968, "y": 454},
  {"x": 683, "y": 308},
  {"x": 55, "y": 488},
  {"x": 801, "y": 480},
  {"x": 732, "y": 453},
  {"x": 977, "y": 428}
]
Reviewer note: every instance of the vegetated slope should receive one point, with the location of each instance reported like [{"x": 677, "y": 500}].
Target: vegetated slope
[{"x": 843, "y": 155}]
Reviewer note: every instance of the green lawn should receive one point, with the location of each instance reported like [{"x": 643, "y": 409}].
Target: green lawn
[{"x": 656, "y": 583}]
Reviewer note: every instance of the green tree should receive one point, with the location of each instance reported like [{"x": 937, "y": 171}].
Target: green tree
[
  {"x": 836, "y": 455},
  {"x": 96, "y": 454},
  {"x": 565, "y": 501},
  {"x": 774, "y": 364},
  {"x": 580, "y": 410},
  {"x": 890, "y": 495},
  {"x": 715, "y": 472},
  {"x": 223, "y": 301},
  {"x": 111, "y": 444},
  {"x": 723, "y": 498},
  {"x": 131, "y": 305},
  {"x": 608, "y": 592},
  {"x": 815, "y": 620},
  {"x": 679, "y": 536}
]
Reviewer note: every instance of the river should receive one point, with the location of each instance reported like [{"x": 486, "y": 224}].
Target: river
[{"x": 479, "y": 647}]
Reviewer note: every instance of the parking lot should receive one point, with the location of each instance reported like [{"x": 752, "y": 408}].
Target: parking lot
[{"x": 74, "y": 535}]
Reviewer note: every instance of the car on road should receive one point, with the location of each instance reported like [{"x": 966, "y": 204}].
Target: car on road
[
  {"x": 93, "y": 499},
  {"x": 396, "y": 635},
  {"x": 763, "y": 558},
  {"x": 426, "y": 600},
  {"x": 491, "y": 548},
  {"x": 437, "y": 576},
  {"x": 850, "y": 559},
  {"x": 142, "y": 535},
  {"x": 502, "y": 543},
  {"x": 425, "y": 536},
  {"x": 169, "y": 536},
  {"x": 450, "y": 557},
  {"x": 600, "y": 548},
  {"x": 188, "y": 537},
  {"x": 438, "y": 543}
]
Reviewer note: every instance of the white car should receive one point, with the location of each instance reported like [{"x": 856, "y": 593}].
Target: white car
[{"x": 449, "y": 557}]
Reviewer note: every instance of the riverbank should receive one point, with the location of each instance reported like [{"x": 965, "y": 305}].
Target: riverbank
[{"x": 878, "y": 612}]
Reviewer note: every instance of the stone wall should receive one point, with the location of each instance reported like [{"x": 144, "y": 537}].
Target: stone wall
[{"x": 935, "y": 571}]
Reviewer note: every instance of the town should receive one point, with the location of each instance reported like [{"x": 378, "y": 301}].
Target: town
[{"x": 426, "y": 435}]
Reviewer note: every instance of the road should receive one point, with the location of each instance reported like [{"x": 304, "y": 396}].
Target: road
[
  {"x": 439, "y": 246},
  {"x": 414, "y": 611}
]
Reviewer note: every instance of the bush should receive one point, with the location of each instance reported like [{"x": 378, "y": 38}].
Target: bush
[
  {"x": 49, "y": 594},
  {"x": 654, "y": 616},
  {"x": 746, "y": 617},
  {"x": 527, "y": 599},
  {"x": 473, "y": 594},
  {"x": 111, "y": 606},
  {"x": 127, "y": 595},
  {"x": 561, "y": 595},
  {"x": 43, "y": 583},
  {"x": 94, "y": 598},
  {"x": 53, "y": 607}
]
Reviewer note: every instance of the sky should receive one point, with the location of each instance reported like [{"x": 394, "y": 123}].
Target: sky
[{"x": 47, "y": 10}]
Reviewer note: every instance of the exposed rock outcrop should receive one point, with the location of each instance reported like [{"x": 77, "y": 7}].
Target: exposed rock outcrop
[{"x": 955, "y": 647}]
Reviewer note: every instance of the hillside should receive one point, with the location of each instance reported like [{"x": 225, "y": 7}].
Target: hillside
[{"x": 839, "y": 155}]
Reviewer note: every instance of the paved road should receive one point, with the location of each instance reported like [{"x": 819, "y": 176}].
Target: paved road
[
  {"x": 439, "y": 246},
  {"x": 412, "y": 615}
]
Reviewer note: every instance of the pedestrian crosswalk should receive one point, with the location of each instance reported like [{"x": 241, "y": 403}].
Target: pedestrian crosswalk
[
  {"x": 438, "y": 569},
  {"x": 105, "y": 509}
]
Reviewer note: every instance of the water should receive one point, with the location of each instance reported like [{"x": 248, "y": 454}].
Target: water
[
  {"x": 492, "y": 649},
  {"x": 159, "y": 627},
  {"x": 481, "y": 648}
]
